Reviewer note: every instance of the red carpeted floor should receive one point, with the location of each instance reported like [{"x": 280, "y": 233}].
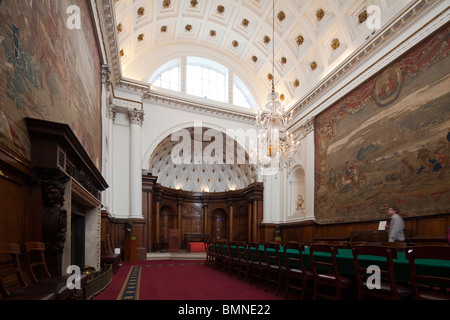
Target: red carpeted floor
[{"x": 180, "y": 280}]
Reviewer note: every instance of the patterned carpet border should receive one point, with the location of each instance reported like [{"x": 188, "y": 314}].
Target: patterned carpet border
[{"x": 131, "y": 286}]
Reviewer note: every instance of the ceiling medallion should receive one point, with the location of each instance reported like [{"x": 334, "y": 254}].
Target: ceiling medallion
[
  {"x": 212, "y": 33},
  {"x": 296, "y": 83},
  {"x": 119, "y": 28},
  {"x": 362, "y": 17},
  {"x": 245, "y": 23},
  {"x": 266, "y": 40},
  {"x": 166, "y": 4},
  {"x": 335, "y": 44},
  {"x": 188, "y": 28},
  {"x": 276, "y": 147},
  {"x": 281, "y": 16},
  {"x": 221, "y": 9},
  {"x": 235, "y": 44},
  {"x": 140, "y": 12},
  {"x": 299, "y": 40},
  {"x": 194, "y": 3},
  {"x": 141, "y": 37},
  {"x": 319, "y": 14},
  {"x": 164, "y": 29},
  {"x": 255, "y": 59},
  {"x": 313, "y": 65}
]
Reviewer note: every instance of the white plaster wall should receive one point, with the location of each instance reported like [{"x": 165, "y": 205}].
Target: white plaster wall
[
  {"x": 160, "y": 121},
  {"x": 277, "y": 191}
]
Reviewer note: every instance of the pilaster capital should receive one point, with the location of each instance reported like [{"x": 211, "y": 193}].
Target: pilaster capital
[{"x": 136, "y": 116}]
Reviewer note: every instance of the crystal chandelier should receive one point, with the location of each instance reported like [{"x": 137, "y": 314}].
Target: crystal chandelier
[{"x": 276, "y": 147}]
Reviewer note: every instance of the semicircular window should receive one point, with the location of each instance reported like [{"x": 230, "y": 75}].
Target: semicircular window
[{"x": 203, "y": 78}]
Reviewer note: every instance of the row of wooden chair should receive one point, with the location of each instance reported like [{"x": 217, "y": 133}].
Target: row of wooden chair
[
  {"x": 39, "y": 284},
  {"x": 323, "y": 279}
]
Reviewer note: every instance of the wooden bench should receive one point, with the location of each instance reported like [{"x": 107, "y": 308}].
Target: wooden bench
[{"x": 14, "y": 286}]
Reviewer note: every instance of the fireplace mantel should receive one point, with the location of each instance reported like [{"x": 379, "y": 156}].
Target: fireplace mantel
[
  {"x": 56, "y": 148},
  {"x": 66, "y": 174}
]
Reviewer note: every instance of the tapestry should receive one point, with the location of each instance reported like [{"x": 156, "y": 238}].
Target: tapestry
[
  {"x": 388, "y": 141},
  {"x": 49, "y": 69}
]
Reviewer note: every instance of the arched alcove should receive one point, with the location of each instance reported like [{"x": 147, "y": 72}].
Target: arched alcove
[
  {"x": 217, "y": 163},
  {"x": 296, "y": 193}
]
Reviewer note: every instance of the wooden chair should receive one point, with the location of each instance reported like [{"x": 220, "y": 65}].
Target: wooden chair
[
  {"x": 295, "y": 269},
  {"x": 221, "y": 255},
  {"x": 35, "y": 258},
  {"x": 210, "y": 253},
  {"x": 13, "y": 285},
  {"x": 326, "y": 272},
  {"x": 108, "y": 256},
  {"x": 233, "y": 263},
  {"x": 244, "y": 263},
  {"x": 389, "y": 289},
  {"x": 425, "y": 284},
  {"x": 258, "y": 267},
  {"x": 226, "y": 257},
  {"x": 274, "y": 267}
]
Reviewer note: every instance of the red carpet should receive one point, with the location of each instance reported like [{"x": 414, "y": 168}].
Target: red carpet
[{"x": 179, "y": 280}]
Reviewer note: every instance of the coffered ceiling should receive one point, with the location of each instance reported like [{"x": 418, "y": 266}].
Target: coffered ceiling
[{"x": 312, "y": 37}]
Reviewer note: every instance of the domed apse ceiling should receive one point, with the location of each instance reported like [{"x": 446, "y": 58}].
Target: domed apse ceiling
[
  {"x": 312, "y": 37},
  {"x": 201, "y": 177}
]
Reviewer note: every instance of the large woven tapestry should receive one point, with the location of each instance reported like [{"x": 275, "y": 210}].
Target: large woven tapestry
[
  {"x": 50, "y": 70},
  {"x": 388, "y": 141}
]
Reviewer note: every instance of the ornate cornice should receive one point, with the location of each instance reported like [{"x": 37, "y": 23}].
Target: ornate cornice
[{"x": 199, "y": 107}]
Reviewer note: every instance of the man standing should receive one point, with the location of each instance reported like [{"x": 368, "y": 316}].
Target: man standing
[{"x": 396, "y": 225}]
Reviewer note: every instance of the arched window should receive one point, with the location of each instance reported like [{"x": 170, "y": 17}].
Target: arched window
[
  {"x": 241, "y": 95},
  {"x": 203, "y": 78},
  {"x": 206, "y": 79},
  {"x": 168, "y": 76}
]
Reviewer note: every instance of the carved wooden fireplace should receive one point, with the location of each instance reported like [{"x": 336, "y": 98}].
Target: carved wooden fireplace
[{"x": 71, "y": 187}]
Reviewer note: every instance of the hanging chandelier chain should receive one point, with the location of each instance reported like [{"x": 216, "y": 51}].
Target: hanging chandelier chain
[
  {"x": 273, "y": 46},
  {"x": 276, "y": 146}
]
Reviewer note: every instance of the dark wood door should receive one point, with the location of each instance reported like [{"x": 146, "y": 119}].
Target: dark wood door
[{"x": 219, "y": 224}]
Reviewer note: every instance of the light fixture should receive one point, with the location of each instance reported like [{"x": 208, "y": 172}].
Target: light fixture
[{"x": 276, "y": 147}]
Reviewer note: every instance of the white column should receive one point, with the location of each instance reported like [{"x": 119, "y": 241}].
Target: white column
[
  {"x": 108, "y": 116},
  {"x": 136, "y": 119}
]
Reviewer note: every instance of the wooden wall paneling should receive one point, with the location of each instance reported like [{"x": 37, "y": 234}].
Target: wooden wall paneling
[
  {"x": 20, "y": 200},
  {"x": 427, "y": 227},
  {"x": 431, "y": 227},
  {"x": 12, "y": 210}
]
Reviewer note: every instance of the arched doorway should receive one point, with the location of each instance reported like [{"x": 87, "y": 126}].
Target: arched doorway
[{"x": 219, "y": 224}]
